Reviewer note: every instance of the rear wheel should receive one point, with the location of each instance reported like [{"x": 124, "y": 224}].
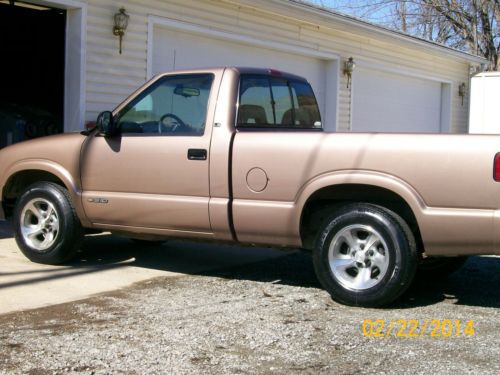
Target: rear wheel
[
  {"x": 365, "y": 255},
  {"x": 46, "y": 227}
]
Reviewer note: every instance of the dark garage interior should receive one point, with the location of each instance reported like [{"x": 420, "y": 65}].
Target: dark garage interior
[{"x": 31, "y": 71}]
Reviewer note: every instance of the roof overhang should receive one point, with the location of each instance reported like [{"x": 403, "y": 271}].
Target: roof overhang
[{"x": 318, "y": 16}]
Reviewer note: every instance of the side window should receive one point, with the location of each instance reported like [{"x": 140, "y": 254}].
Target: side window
[
  {"x": 174, "y": 105},
  {"x": 306, "y": 109},
  {"x": 282, "y": 101},
  {"x": 272, "y": 102},
  {"x": 255, "y": 107}
]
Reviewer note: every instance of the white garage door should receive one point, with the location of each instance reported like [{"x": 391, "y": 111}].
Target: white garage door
[
  {"x": 385, "y": 102},
  {"x": 176, "y": 50}
]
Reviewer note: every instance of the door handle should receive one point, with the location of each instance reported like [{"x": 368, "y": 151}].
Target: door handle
[{"x": 197, "y": 154}]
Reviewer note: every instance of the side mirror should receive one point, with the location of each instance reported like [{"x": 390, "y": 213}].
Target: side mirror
[{"x": 105, "y": 124}]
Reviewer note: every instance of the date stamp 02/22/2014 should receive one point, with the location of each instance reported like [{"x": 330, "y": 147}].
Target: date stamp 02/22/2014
[{"x": 418, "y": 328}]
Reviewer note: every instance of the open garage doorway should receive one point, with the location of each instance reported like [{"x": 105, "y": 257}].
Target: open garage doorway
[{"x": 31, "y": 71}]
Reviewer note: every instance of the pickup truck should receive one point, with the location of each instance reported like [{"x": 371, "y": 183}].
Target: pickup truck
[{"x": 239, "y": 155}]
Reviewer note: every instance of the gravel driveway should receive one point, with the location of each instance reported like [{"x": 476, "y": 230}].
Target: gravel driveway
[{"x": 268, "y": 318}]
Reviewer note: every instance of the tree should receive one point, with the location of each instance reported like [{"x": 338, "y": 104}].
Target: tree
[{"x": 468, "y": 25}]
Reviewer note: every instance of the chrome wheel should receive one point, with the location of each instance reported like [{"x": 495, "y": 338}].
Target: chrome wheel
[
  {"x": 358, "y": 257},
  {"x": 39, "y": 224},
  {"x": 365, "y": 255}
]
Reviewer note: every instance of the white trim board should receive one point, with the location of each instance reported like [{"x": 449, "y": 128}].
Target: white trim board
[
  {"x": 74, "y": 64},
  {"x": 61, "y": 4},
  {"x": 224, "y": 35},
  {"x": 394, "y": 69}
]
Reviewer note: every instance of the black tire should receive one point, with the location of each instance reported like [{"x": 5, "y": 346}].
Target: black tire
[
  {"x": 432, "y": 268},
  {"x": 369, "y": 242},
  {"x": 56, "y": 232}
]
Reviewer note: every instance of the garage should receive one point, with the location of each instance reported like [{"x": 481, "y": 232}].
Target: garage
[
  {"x": 176, "y": 50},
  {"x": 392, "y": 102},
  {"x": 31, "y": 71},
  {"x": 65, "y": 64}
]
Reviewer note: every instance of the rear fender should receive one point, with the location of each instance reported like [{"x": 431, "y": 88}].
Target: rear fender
[
  {"x": 356, "y": 177},
  {"x": 445, "y": 231}
]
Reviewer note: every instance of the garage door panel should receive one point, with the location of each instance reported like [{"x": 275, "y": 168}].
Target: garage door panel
[
  {"x": 384, "y": 102},
  {"x": 176, "y": 50}
]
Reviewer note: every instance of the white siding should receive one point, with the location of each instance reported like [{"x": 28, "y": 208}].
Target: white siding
[{"x": 110, "y": 76}]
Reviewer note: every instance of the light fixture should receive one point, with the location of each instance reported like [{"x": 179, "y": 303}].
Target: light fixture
[
  {"x": 462, "y": 91},
  {"x": 349, "y": 66},
  {"x": 121, "y": 23}
]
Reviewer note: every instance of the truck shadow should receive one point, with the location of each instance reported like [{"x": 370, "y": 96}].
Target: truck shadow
[
  {"x": 476, "y": 284},
  {"x": 6, "y": 230}
]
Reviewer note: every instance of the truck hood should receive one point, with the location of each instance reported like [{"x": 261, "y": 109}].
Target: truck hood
[{"x": 60, "y": 152}]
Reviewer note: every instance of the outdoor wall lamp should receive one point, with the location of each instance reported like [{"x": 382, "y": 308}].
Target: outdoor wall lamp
[
  {"x": 121, "y": 23},
  {"x": 349, "y": 66},
  {"x": 462, "y": 91}
]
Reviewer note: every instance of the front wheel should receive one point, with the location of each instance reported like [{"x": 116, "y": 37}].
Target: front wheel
[
  {"x": 365, "y": 255},
  {"x": 46, "y": 227}
]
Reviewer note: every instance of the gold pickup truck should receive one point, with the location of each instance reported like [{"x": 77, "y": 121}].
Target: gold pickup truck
[{"x": 239, "y": 155}]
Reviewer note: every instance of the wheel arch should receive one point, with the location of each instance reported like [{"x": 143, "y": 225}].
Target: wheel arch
[
  {"x": 22, "y": 174},
  {"x": 324, "y": 194}
]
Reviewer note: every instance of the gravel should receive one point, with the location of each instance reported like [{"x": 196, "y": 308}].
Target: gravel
[{"x": 270, "y": 318}]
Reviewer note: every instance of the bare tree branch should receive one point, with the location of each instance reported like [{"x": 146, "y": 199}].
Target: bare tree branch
[{"x": 468, "y": 25}]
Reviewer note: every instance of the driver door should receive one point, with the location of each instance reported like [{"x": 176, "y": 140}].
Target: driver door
[{"x": 155, "y": 173}]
